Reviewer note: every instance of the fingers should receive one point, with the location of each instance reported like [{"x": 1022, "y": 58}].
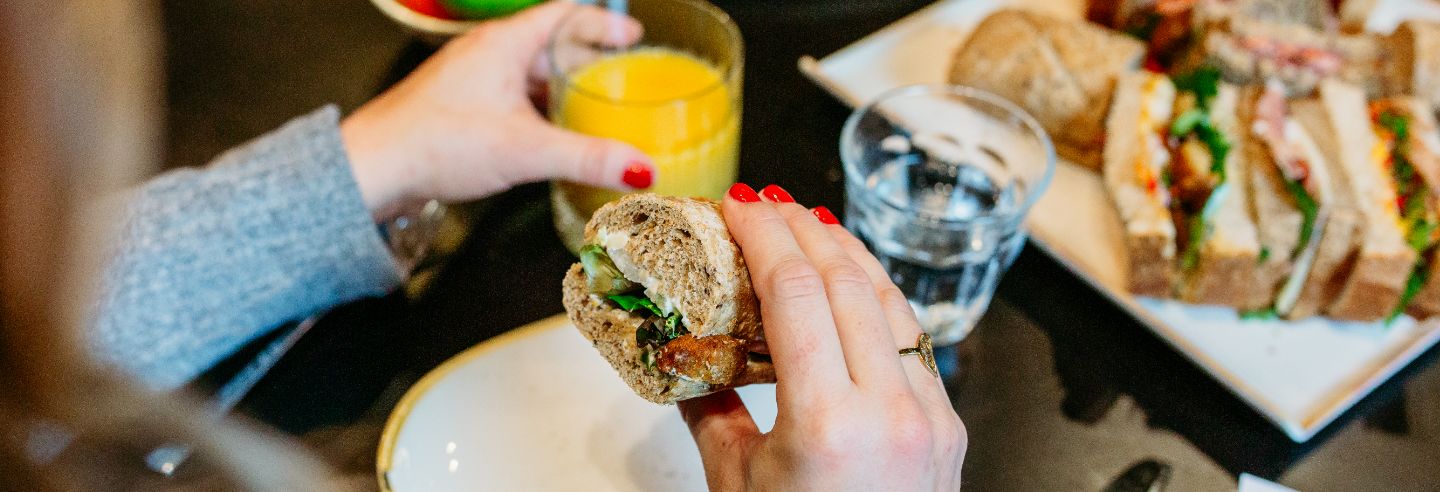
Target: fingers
[
  {"x": 722, "y": 428},
  {"x": 863, "y": 330},
  {"x": 904, "y": 327},
  {"x": 799, "y": 328},
  {"x": 554, "y": 152},
  {"x": 575, "y": 28}
]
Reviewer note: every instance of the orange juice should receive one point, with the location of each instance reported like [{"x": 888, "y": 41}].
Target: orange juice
[{"x": 678, "y": 109}]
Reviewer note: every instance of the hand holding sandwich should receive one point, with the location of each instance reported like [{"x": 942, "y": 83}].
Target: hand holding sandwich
[{"x": 853, "y": 414}]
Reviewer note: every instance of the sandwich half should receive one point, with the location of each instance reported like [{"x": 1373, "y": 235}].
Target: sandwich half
[
  {"x": 1291, "y": 192},
  {"x": 1220, "y": 248},
  {"x": 1167, "y": 159},
  {"x": 1372, "y": 277},
  {"x": 1344, "y": 218},
  {"x": 1251, "y": 43},
  {"x": 1410, "y": 150},
  {"x": 662, "y": 292}
]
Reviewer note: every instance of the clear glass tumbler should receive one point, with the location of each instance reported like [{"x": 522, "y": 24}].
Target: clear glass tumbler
[
  {"x": 674, "y": 93},
  {"x": 938, "y": 180}
]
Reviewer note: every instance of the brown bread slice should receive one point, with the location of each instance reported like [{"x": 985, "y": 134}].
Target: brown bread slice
[{"x": 1277, "y": 221}]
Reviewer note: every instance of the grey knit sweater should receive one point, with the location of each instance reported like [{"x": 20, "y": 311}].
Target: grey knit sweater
[{"x": 209, "y": 259}]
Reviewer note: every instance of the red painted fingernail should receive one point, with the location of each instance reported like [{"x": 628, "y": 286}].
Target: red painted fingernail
[
  {"x": 638, "y": 175},
  {"x": 825, "y": 216},
  {"x": 777, "y": 194},
  {"x": 743, "y": 193}
]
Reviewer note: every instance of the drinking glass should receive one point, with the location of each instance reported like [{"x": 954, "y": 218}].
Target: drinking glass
[
  {"x": 938, "y": 180},
  {"x": 674, "y": 94}
]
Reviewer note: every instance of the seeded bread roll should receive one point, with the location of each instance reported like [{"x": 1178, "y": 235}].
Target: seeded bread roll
[
  {"x": 680, "y": 251},
  {"x": 1060, "y": 71}
]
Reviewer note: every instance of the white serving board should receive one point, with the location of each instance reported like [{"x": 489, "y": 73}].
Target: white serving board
[{"x": 1300, "y": 375}]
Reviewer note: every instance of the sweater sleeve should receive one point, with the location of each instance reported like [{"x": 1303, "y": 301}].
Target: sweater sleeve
[{"x": 209, "y": 259}]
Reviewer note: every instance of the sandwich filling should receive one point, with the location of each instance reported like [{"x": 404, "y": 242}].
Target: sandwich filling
[
  {"x": 1413, "y": 209},
  {"x": 1154, "y": 157},
  {"x": 1199, "y": 150},
  {"x": 665, "y": 342}
]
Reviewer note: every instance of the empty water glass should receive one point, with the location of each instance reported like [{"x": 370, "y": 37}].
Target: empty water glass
[{"x": 938, "y": 180}]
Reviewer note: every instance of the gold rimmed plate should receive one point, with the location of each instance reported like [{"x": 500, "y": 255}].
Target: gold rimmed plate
[{"x": 539, "y": 409}]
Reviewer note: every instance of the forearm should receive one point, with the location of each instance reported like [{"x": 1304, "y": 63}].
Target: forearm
[{"x": 208, "y": 259}]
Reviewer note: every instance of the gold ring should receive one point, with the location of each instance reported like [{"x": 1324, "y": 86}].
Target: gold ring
[{"x": 926, "y": 351}]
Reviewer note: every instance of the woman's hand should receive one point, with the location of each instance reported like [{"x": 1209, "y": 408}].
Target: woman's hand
[
  {"x": 853, "y": 414},
  {"x": 462, "y": 126}
]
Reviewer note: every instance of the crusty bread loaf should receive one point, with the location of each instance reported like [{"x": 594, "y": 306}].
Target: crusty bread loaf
[
  {"x": 679, "y": 250},
  {"x": 1412, "y": 61},
  {"x": 1149, "y": 230},
  {"x": 1375, "y": 273},
  {"x": 1230, "y": 254},
  {"x": 1061, "y": 71}
]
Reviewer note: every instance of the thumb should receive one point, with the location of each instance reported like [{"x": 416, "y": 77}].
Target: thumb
[
  {"x": 722, "y": 428},
  {"x": 595, "y": 161},
  {"x": 530, "y": 30}
]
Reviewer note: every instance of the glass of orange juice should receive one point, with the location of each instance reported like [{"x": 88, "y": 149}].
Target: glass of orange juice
[{"x": 674, "y": 94}]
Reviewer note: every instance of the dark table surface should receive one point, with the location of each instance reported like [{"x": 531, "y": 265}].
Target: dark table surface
[{"x": 1060, "y": 390}]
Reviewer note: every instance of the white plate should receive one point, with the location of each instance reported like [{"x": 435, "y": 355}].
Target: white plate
[
  {"x": 538, "y": 409},
  {"x": 1300, "y": 375}
]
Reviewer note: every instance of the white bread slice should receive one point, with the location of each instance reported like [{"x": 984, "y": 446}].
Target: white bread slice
[
  {"x": 1375, "y": 273},
  {"x": 1230, "y": 254},
  {"x": 680, "y": 249},
  {"x": 1061, "y": 71},
  {"x": 1142, "y": 107}
]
